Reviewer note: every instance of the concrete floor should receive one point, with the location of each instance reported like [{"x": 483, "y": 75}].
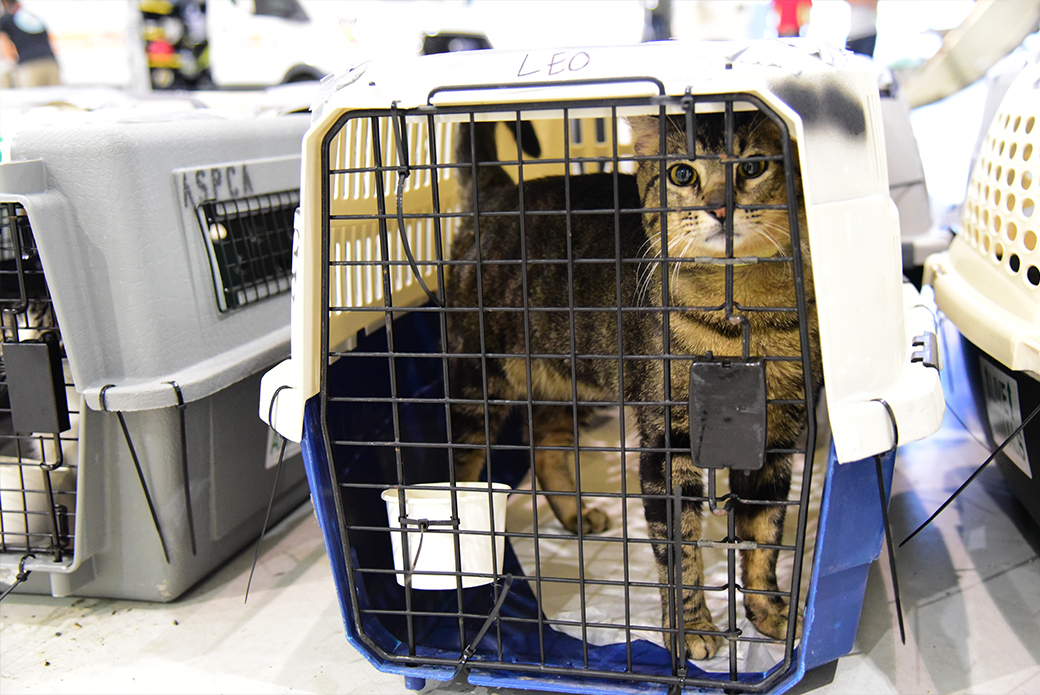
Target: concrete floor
[
  {"x": 970, "y": 584},
  {"x": 970, "y": 589}
]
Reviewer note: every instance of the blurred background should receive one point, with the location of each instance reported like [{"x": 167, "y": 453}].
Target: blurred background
[
  {"x": 269, "y": 54},
  {"x": 939, "y": 65},
  {"x": 201, "y": 44}
]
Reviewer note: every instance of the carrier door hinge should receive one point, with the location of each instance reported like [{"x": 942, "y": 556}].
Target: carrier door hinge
[{"x": 928, "y": 350}]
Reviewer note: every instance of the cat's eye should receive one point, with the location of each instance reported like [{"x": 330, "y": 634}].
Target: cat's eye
[
  {"x": 682, "y": 175},
  {"x": 750, "y": 170}
]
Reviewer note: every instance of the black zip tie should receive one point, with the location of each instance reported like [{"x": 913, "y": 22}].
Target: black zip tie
[
  {"x": 137, "y": 465},
  {"x": 885, "y": 519},
  {"x": 424, "y": 525},
  {"x": 22, "y": 575},
  {"x": 184, "y": 465},
  {"x": 403, "y": 172},
  {"x": 682, "y": 672},
  {"x": 678, "y": 687},
  {"x": 274, "y": 488},
  {"x": 974, "y": 475},
  {"x": 471, "y": 649}
]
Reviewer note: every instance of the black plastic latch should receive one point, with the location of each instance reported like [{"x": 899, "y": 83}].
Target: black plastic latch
[
  {"x": 728, "y": 414},
  {"x": 36, "y": 386}
]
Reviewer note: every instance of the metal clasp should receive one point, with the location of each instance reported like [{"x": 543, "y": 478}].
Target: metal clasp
[{"x": 928, "y": 352}]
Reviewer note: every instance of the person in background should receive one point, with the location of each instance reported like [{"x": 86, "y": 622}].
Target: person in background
[{"x": 25, "y": 41}]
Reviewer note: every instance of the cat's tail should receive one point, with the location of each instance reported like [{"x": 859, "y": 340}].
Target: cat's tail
[{"x": 475, "y": 144}]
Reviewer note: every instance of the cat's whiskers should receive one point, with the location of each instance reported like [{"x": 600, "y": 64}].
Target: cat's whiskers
[
  {"x": 680, "y": 265},
  {"x": 653, "y": 244},
  {"x": 649, "y": 244},
  {"x": 679, "y": 246},
  {"x": 763, "y": 229},
  {"x": 647, "y": 270},
  {"x": 646, "y": 280}
]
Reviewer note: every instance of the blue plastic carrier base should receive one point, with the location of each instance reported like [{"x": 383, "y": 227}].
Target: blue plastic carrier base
[
  {"x": 1000, "y": 400},
  {"x": 533, "y": 655}
]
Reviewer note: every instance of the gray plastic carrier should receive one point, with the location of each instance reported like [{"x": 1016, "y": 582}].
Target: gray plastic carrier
[{"x": 162, "y": 247}]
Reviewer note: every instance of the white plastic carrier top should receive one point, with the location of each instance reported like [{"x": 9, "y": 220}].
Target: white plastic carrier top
[
  {"x": 988, "y": 283},
  {"x": 868, "y": 318},
  {"x": 112, "y": 197}
]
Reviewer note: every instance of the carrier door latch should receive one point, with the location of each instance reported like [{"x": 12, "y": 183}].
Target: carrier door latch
[
  {"x": 927, "y": 351},
  {"x": 728, "y": 414},
  {"x": 36, "y": 386}
]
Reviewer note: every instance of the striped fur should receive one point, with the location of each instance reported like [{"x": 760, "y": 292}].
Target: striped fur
[{"x": 489, "y": 245}]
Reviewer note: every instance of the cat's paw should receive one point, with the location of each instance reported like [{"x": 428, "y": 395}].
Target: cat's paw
[
  {"x": 770, "y": 618},
  {"x": 701, "y": 647},
  {"x": 593, "y": 520}
]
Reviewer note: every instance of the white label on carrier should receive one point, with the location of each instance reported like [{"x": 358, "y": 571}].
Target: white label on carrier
[
  {"x": 1003, "y": 412},
  {"x": 274, "y": 447}
]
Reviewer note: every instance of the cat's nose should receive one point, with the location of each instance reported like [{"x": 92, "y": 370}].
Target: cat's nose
[{"x": 719, "y": 214}]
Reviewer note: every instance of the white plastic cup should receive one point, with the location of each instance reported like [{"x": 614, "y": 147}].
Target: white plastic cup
[{"x": 433, "y": 549}]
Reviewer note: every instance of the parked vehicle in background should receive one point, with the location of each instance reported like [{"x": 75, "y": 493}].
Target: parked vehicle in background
[{"x": 267, "y": 42}]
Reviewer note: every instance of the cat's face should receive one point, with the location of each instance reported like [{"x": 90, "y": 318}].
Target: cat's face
[{"x": 700, "y": 182}]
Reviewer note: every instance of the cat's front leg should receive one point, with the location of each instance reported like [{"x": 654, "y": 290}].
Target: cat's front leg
[
  {"x": 555, "y": 468},
  {"x": 702, "y": 638},
  {"x": 763, "y": 524},
  {"x": 472, "y": 417}
]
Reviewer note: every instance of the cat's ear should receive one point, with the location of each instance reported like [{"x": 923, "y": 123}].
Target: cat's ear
[{"x": 646, "y": 134}]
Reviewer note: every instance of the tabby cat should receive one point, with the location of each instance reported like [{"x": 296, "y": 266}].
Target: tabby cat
[{"x": 520, "y": 302}]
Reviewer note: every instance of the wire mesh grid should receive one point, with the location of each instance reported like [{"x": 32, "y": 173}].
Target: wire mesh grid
[
  {"x": 393, "y": 395},
  {"x": 250, "y": 245},
  {"x": 37, "y": 470}
]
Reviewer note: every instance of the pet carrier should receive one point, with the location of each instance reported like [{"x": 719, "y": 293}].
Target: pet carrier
[
  {"x": 919, "y": 235},
  {"x": 988, "y": 284},
  {"x": 383, "y": 366},
  {"x": 145, "y": 277}
]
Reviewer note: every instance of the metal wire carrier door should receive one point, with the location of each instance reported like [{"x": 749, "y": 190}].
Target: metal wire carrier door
[
  {"x": 560, "y": 603},
  {"x": 38, "y": 462}
]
